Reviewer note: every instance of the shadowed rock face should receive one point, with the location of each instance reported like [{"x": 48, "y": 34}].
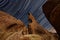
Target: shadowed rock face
[
  {"x": 52, "y": 11},
  {"x": 14, "y": 29}
]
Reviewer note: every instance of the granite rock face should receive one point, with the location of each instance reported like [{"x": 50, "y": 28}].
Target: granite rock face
[{"x": 14, "y": 29}]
